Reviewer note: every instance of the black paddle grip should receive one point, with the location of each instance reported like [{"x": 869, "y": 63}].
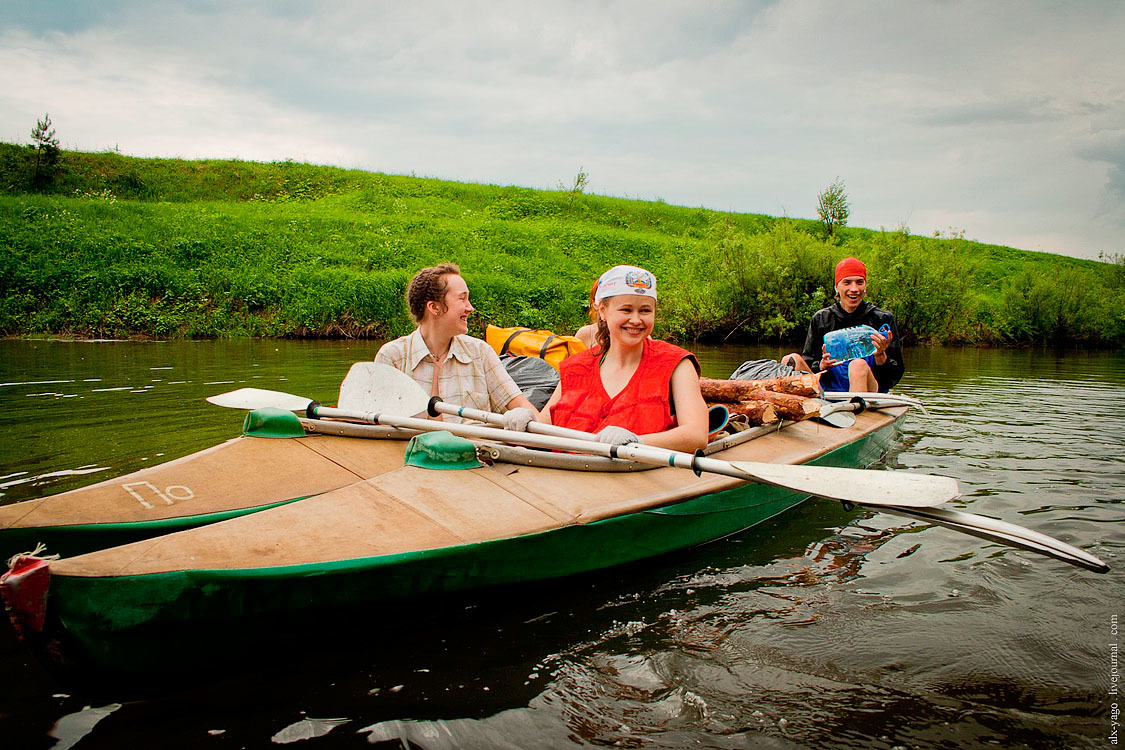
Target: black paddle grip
[
  {"x": 860, "y": 404},
  {"x": 310, "y": 410},
  {"x": 431, "y": 409}
]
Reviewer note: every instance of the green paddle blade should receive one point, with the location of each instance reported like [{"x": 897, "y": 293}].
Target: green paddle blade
[{"x": 373, "y": 387}]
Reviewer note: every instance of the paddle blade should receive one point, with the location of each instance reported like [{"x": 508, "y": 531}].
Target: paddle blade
[
  {"x": 1005, "y": 533},
  {"x": 374, "y": 387},
  {"x": 858, "y": 486},
  {"x": 258, "y": 398},
  {"x": 837, "y": 415}
]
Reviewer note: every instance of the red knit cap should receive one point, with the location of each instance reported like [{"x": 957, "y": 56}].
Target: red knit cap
[{"x": 850, "y": 267}]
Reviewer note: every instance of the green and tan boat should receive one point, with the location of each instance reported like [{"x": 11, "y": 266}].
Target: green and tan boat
[{"x": 413, "y": 531}]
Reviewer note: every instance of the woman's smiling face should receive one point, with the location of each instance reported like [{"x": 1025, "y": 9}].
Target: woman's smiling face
[{"x": 629, "y": 318}]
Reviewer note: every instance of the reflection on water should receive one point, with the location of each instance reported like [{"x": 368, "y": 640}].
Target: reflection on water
[{"x": 821, "y": 628}]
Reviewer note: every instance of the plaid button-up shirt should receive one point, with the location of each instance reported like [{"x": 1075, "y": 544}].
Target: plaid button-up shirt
[{"x": 471, "y": 375}]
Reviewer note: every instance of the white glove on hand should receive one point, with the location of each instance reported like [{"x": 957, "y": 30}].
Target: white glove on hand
[
  {"x": 617, "y": 435},
  {"x": 518, "y": 419}
]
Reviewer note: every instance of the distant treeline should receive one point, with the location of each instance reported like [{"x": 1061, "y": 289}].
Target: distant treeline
[{"x": 114, "y": 246}]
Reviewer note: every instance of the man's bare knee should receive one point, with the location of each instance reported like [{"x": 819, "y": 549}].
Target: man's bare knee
[
  {"x": 796, "y": 361},
  {"x": 858, "y": 368},
  {"x": 860, "y": 376}
]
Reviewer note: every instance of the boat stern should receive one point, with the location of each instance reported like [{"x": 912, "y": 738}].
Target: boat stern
[{"x": 24, "y": 590}]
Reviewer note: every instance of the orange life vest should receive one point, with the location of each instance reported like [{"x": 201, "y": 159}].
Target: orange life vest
[{"x": 643, "y": 406}]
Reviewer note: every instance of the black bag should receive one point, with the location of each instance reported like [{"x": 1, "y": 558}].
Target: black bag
[
  {"x": 761, "y": 369},
  {"x": 535, "y": 377}
]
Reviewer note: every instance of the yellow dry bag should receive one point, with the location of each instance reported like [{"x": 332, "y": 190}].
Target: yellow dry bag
[{"x": 526, "y": 342}]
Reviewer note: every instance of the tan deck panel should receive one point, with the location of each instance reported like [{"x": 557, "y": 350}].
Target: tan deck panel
[
  {"x": 593, "y": 496},
  {"x": 362, "y": 456},
  {"x": 353, "y": 522},
  {"x": 240, "y": 473},
  {"x": 577, "y": 493},
  {"x": 499, "y": 474},
  {"x": 804, "y": 441},
  {"x": 465, "y": 502}
]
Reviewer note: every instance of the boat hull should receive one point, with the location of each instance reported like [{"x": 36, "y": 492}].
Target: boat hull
[{"x": 105, "y": 617}]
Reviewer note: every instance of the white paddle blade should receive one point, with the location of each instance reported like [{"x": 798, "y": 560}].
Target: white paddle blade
[
  {"x": 838, "y": 414},
  {"x": 374, "y": 387},
  {"x": 258, "y": 398},
  {"x": 838, "y": 418},
  {"x": 1008, "y": 534},
  {"x": 858, "y": 486}
]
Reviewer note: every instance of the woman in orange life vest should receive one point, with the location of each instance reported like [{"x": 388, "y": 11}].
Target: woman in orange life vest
[{"x": 630, "y": 387}]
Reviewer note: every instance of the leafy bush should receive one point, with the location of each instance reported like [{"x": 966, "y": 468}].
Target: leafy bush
[
  {"x": 1071, "y": 307},
  {"x": 758, "y": 287},
  {"x": 926, "y": 284}
]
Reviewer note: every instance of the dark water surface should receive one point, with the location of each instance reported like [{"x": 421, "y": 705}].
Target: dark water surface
[{"x": 821, "y": 629}]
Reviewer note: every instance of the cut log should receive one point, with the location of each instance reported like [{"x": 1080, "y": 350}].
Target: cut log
[
  {"x": 788, "y": 405},
  {"x": 757, "y": 412},
  {"x": 730, "y": 391}
]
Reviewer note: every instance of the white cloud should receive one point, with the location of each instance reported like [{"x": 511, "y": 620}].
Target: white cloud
[{"x": 1003, "y": 119}]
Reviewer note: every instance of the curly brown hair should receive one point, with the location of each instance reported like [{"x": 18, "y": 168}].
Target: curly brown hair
[
  {"x": 429, "y": 285},
  {"x": 601, "y": 336}
]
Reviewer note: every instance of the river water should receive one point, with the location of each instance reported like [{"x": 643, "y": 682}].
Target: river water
[{"x": 823, "y": 628}]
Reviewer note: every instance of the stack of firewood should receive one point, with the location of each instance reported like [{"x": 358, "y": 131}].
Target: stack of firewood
[{"x": 790, "y": 397}]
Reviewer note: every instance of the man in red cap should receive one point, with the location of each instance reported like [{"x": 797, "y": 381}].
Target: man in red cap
[{"x": 877, "y": 372}]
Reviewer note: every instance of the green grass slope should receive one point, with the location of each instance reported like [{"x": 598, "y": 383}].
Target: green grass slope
[{"x": 116, "y": 246}]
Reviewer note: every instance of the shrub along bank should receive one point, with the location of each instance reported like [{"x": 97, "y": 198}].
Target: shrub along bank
[{"x": 115, "y": 246}]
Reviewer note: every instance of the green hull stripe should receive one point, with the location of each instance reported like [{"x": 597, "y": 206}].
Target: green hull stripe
[{"x": 160, "y": 524}]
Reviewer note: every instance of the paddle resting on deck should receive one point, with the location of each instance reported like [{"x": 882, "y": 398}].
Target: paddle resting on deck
[{"x": 875, "y": 399}]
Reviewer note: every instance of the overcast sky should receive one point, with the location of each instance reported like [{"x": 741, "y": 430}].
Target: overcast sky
[{"x": 1002, "y": 119}]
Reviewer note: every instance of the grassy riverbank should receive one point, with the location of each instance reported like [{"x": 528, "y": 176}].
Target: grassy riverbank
[{"x": 118, "y": 246}]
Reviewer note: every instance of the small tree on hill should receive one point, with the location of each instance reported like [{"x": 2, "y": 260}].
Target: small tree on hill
[
  {"x": 581, "y": 180},
  {"x": 832, "y": 206},
  {"x": 46, "y": 150}
]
